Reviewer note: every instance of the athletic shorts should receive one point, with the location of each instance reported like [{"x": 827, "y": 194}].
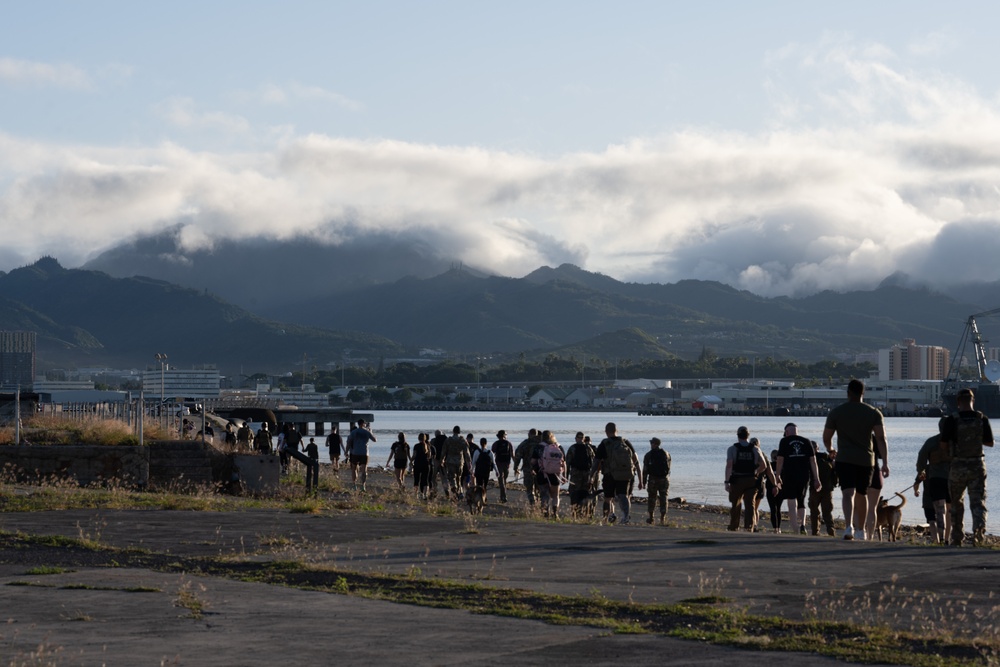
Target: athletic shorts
[
  {"x": 399, "y": 464},
  {"x": 548, "y": 478},
  {"x": 795, "y": 490},
  {"x": 359, "y": 460},
  {"x": 937, "y": 488},
  {"x": 854, "y": 477},
  {"x": 876, "y": 478},
  {"x": 612, "y": 488}
]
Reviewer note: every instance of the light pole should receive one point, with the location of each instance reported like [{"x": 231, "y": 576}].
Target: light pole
[{"x": 162, "y": 358}]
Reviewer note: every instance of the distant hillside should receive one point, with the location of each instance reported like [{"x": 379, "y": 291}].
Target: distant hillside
[
  {"x": 554, "y": 308},
  {"x": 89, "y": 318}
]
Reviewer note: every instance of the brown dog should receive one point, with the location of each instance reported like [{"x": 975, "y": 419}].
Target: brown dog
[
  {"x": 889, "y": 517},
  {"x": 476, "y": 499}
]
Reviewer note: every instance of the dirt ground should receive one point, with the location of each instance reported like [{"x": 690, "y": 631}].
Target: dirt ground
[{"x": 66, "y": 606}]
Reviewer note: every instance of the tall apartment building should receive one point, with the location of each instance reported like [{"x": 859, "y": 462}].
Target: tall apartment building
[
  {"x": 17, "y": 359},
  {"x": 910, "y": 361}
]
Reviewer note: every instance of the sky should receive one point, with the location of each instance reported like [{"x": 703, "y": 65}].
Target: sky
[{"x": 780, "y": 147}]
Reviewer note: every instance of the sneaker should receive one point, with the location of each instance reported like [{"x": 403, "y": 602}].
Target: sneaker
[
  {"x": 802, "y": 530},
  {"x": 663, "y": 520},
  {"x": 860, "y": 535},
  {"x": 649, "y": 520},
  {"x": 625, "y": 521},
  {"x": 831, "y": 532},
  {"x": 849, "y": 533},
  {"x": 612, "y": 518}
]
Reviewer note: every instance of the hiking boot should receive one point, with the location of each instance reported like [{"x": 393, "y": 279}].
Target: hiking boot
[
  {"x": 649, "y": 520},
  {"x": 849, "y": 533},
  {"x": 612, "y": 518},
  {"x": 625, "y": 521},
  {"x": 831, "y": 532},
  {"x": 979, "y": 537},
  {"x": 802, "y": 530}
]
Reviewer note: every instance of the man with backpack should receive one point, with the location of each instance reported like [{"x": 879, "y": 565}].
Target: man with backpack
[
  {"x": 503, "y": 454},
  {"x": 744, "y": 461},
  {"x": 456, "y": 460},
  {"x": 523, "y": 456},
  {"x": 617, "y": 460},
  {"x": 243, "y": 435},
  {"x": 656, "y": 477},
  {"x": 579, "y": 462},
  {"x": 482, "y": 465}
]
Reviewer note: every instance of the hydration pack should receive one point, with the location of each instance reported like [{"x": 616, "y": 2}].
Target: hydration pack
[
  {"x": 619, "y": 460},
  {"x": 552, "y": 459},
  {"x": 581, "y": 457},
  {"x": 484, "y": 464},
  {"x": 968, "y": 436},
  {"x": 658, "y": 464}
]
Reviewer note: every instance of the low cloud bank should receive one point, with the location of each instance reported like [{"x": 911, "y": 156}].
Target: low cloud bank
[{"x": 901, "y": 176}]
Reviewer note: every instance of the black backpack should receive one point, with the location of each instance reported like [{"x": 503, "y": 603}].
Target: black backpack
[
  {"x": 659, "y": 463},
  {"x": 581, "y": 457},
  {"x": 484, "y": 464}
]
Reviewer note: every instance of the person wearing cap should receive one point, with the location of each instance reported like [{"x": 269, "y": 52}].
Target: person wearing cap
[
  {"x": 656, "y": 477},
  {"x": 964, "y": 434},
  {"x": 855, "y": 424},
  {"x": 503, "y": 454},
  {"x": 743, "y": 463},
  {"x": 795, "y": 467}
]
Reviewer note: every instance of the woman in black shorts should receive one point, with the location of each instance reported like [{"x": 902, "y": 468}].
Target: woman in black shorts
[{"x": 399, "y": 454}]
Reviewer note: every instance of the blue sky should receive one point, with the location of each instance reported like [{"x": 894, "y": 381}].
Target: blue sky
[{"x": 779, "y": 147}]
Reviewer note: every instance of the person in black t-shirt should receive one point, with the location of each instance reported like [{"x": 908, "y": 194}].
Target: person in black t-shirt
[{"x": 796, "y": 467}]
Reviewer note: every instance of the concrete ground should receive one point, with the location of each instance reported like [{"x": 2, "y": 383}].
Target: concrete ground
[{"x": 128, "y": 616}]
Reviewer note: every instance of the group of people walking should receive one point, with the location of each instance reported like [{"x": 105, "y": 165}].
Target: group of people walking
[
  {"x": 856, "y": 458},
  {"x": 458, "y": 463}
]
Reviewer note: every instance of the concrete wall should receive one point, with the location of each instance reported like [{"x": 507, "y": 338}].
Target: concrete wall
[
  {"x": 182, "y": 464},
  {"x": 88, "y": 465},
  {"x": 261, "y": 474},
  {"x": 176, "y": 465}
]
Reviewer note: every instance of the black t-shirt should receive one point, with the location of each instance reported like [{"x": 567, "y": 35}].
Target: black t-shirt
[
  {"x": 503, "y": 452},
  {"x": 796, "y": 452},
  {"x": 422, "y": 457}
]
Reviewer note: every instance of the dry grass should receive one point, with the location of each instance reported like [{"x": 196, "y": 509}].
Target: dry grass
[{"x": 50, "y": 430}]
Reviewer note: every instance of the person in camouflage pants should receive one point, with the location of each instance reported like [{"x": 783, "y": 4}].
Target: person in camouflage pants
[{"x": 965, "y": 433}]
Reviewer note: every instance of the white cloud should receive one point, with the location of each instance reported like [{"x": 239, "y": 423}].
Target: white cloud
[
  {"x": 901, "y": 177},
  {"x": 294, "y": 92},
  {"x": 31, "y": 73},
  {"x": 182, "y": 112}
]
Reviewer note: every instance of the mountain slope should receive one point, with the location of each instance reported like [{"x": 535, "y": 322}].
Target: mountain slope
[{"x": 126, "y": 321}]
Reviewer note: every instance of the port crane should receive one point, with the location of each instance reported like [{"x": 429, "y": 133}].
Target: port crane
[{"x": 971, "y": 335}]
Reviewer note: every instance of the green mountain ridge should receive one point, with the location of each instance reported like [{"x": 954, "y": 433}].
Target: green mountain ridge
[{"x": 85, "y": 317}]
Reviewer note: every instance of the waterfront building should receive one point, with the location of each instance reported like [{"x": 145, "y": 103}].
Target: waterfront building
[{"x": 170, "y": 383}]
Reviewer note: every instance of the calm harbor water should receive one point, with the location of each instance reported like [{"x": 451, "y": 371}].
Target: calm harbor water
[{"x": 696, "y": 444}]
